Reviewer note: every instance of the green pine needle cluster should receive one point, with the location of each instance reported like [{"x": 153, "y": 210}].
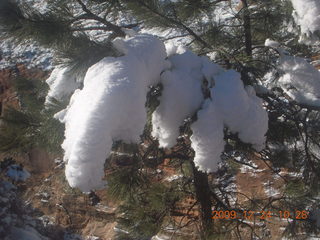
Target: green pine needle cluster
[
  {"x": 53, "y": 29},
  {"x": 144, "y": 214},
  {"x": 32, "y": 125}
]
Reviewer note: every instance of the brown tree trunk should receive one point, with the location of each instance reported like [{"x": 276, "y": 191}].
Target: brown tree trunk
[
  {"x": 203, "y": 197},
  {"x": 247, "y": 28}
]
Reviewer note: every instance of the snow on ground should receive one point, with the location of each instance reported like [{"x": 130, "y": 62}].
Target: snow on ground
[
  {"x": 269, "y": 190},
  {"x": 17, "y": 173},
  {"x": 30, "y": 54},
  {"x": 160, "y": 237},
  {"x": 169, "y": 36},
  {"x": 250, "y": 170},
  {"x": 173, "y": 177},
  {"x": 14, "y": 223}
]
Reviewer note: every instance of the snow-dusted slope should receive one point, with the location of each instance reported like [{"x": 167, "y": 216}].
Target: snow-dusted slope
[{"x": 31, "y": 55}]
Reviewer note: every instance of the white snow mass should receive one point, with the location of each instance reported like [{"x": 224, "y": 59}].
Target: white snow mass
[
  {"x": 307, "y": 15},
  {"x": 111, "y": 106},
  {"x": 241, "y": 109},
  {"x": 181, "y": 97},
  {"x": 299, "y": 80},
  {"x": 231, "y": 105},
  {"x": 207, "y": 138},
  {"x": 62, "y": 84}
]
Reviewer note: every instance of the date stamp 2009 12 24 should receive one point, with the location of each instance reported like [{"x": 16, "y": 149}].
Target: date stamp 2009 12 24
[{"x": 262, "y": 215}]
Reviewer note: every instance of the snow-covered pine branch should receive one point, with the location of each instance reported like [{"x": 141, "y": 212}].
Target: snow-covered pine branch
[
  {"x": 298, "y": 78},
  {"x": 307, "y": 15},
  {"x": 111, "y": 107}
]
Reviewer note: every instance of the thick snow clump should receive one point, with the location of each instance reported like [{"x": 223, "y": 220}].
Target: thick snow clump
[
  {"x": 111, "y": 107},
  {"x": 307, "y": 15},
  {"x": 62, "y": 84},
  {"x": 230, "y": 105},
  {"x": 181, "y": 97},
  {"x": 299, "y": 79}
]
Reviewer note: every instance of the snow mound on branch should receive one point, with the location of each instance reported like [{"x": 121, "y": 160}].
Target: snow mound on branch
[
  {"x": 181, "y": 97},
  {"x": 307, "y": 16},
  {"x": 241, "y": 109},
  {"x": 111, "y": 106},
  {"x": 271, "y": 43},
  {"x": 207, "y": 138},
  {"x": 301, "y": 80},
  {"x": 231, "y": 105},
  {"x": 62, "y": 84},
  {"x": 182, "y": 92}
]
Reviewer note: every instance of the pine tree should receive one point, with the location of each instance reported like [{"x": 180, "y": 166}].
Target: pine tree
[
  {"x": 32, "y": 125},
  {"x": 238, "y": 41}
]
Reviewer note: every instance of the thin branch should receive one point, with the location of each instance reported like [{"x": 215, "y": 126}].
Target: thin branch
[
  {"x": 110, "y": 26},
  {"x": 189, "y": 30}
]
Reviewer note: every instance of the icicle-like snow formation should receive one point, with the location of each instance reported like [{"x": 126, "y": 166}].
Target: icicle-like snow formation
[
  {"x": 241, "y": 109},
  {"x": 307, "y": 16},
  {"x": 182, "y": 94},
  {"x": 181, "y": 97},
  {"x": 233, "y": 106},
  {"x": 111, "y": 106},
  {"x": 230, "y": 105},
  {"x": 62, "y": 84},
  {"x": 207, "y": 138}
]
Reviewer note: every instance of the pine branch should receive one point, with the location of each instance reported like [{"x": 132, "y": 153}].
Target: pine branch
[
  {"x": 53, "y": 30},
  {"x": 175, "y": 22},
  {"x": 110, "y": 26},
  {"x": 82, "y": 29}
]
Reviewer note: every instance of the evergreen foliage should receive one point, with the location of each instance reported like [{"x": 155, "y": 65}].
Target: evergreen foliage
[
  {"x": 32, "y": 125},
  {"x": 147, "y": 202},
  {"x": 57, "y": 29}
]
